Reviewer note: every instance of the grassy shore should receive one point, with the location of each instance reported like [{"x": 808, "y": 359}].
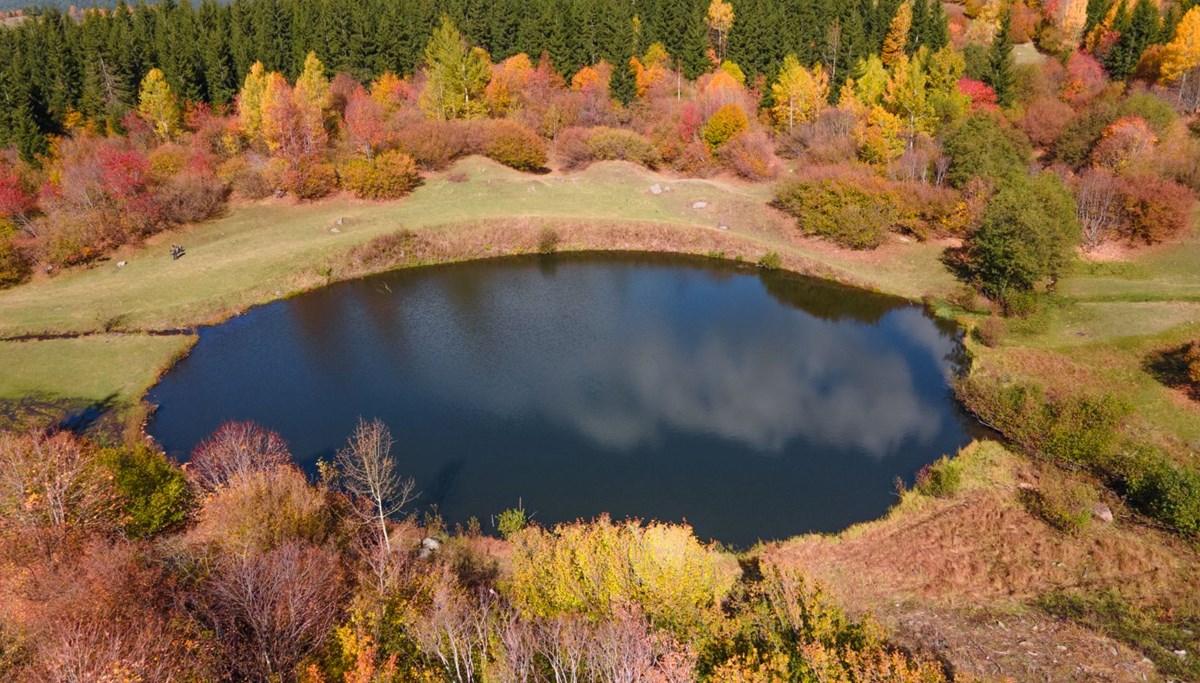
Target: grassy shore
[{"x": 266, "y": 250}]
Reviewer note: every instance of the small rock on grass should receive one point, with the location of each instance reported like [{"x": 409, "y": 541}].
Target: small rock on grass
[
  {"x": 656, "y": 189},
  {"x": 1102, "y": 512},
  {"x": 699, "y": 204}
]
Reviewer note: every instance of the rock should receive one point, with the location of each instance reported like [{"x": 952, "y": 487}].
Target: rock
[
  {"x": 1026, "y": 486},
  {"x": 656, "y": 189},
  {"x": 334, "y": 230},
  {"x": 699, "y": 205},
  {"x": 278, "y": 292},
  {"x": 341, "y": 220},
  {"x": 1182, "y": 654},
  {"x": 1102, "y": 512},
  {"x": 120, "y": 264},
  {"x": 722, "y": 227},
  {"x": 430, "y": 543}
]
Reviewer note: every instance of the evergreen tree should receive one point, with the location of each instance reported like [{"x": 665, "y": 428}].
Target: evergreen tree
[
  {"x": 1000, "y": 72},
  {"x": 1141, "y": 29},
  {"x": 458, "y": 74}
]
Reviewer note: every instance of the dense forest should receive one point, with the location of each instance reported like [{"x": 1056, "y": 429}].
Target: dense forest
[{"x": 56, "y": 65}]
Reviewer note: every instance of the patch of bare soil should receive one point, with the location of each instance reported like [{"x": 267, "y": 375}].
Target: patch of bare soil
[{"x": 951, "y": 577}]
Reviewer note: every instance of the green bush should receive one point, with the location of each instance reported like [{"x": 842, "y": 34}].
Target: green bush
[
  {"x": 390, "y": 175},
  {"x": 941, "y": 478},
  {"x": 979, "y": 147},
  {"x": 511, "y": 522},
  {"x": 838, "y": 210},
  {"x": 548, "y": 241},
  {"x": 770, "y": 261},
  {"x": 515, "y": 146},
  {"x": 618, "y": 144},
  {"x": 1064, "y": 505},
  {"x": 1075, "y": 430},
  {"x": 1165, "y": 491},
  {"x": 154, "y": 491}
]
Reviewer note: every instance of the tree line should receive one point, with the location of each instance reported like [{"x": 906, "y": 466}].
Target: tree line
[{"x": 56, "y": 66}]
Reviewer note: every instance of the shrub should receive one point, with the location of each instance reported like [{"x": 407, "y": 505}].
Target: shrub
[
  {"x": 696, "y": 160},
  {"x": 979, "y": 147},
  {"x": 1045, "y": 119},
  {"x": 1167, "y": 492},
  {"x": 515, "y": 146},
  {"x": 590, "y": 568},
  {"x": 1150, "y": 107},
  {"x": 770, "y": 261},
  {"x": 1064, "y": 505},
  {"x": 192, "y": 197},
  {"x": 246, "y": 176},
  {"x": 725, "y": 123},
  {"x": 1076, "y": 142},
  {"x": 548, "y": 241},
  {"x": 571, "y": 147},
  {"x": 838, "y": 209},
  {"x": 154, "y": 492},
  {"x": 1155, "y": 208},
  {"x": 990, "y": 331},
  {"x": 749, "y": 156},
  {"x": 624, "y": 145},
  {"x": 1074, "y": 430},
  {"x": 262, "y": 510},
  {"x": 14, "y": 265},
  {"x": 432, "y": 144},
  {"x": 510, "y": 522},
  {"x": 385, "y": 250},
  {"x": 1024, "y": 237},
  {"x": 941, "y": 478},
  {"x": 390, "y": 175}
]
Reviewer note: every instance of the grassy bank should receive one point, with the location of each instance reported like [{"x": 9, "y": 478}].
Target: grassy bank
[{"x": 267, "y": 250}]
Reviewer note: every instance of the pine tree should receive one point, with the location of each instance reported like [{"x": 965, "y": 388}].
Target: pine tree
[
  {"x": 1000, "y": 73},
  {"x": 1141, "y": 30}
]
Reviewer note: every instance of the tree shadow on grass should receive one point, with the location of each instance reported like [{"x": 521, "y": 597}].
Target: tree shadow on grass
[
  {"x": 99, "y": 419},
  {"x": 1171, "y": 367}
]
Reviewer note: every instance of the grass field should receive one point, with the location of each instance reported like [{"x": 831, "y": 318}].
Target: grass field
[{"x": 262, "y": 251}]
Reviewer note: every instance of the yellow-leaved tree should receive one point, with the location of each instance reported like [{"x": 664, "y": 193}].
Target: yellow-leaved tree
[
  {"x": 896, "y": 42},
  {"x": 1181, "y": 58},
  {"x": 250, "y": 101},
  {"x": 157, "y": 104},
  {"x": 799, "y": 93},
  {"x": 458, "y": 75},
  {"x": 720, "y": 20}
]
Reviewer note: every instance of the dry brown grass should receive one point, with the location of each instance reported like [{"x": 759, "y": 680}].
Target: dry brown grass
[{"x": 954, "y": 576}]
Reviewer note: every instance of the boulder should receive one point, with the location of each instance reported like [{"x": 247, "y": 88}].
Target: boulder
[
  {"x": 699, "y": 205},
  {"x": 1102, "y": 512},
  {"x": 656, "y": 189}
]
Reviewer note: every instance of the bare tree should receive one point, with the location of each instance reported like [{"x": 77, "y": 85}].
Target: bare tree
[
  {"x": 563, "y": 642},
  {"x": 270, "y": 610},
  {"x": 517, "y": 648},
  {"x": 368, "y": 473},
  {"x": 457, "y": 630},
  {"x": 49, "y": 487},
  {"x": 622, "y": 649},
  {"x": 1097, "y": 205},
  {"x": 236, "y": 449}
]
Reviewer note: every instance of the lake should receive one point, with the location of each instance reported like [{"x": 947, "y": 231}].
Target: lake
[{"x": 751, "y": 404}]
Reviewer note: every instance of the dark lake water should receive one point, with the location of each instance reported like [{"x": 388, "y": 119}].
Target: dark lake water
[{"x": 753, "y": 405}]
